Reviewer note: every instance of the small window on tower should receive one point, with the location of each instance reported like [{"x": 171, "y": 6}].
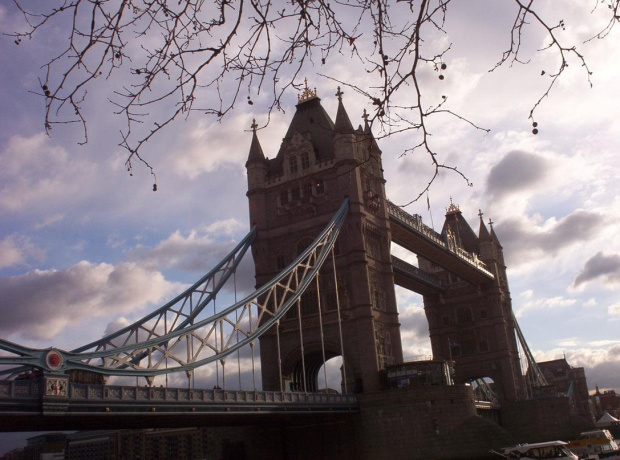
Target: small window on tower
[
  {"x": 483, "y": 313},
  {"x": 319, "y": 187},
  {"x": 295, "y": 194},
  {"x": 305, "y": 161},
  {"x": 292, "y": 163}
]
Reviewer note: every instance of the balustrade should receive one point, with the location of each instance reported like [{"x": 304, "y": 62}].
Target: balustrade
[{"x": 30, "y": 389}]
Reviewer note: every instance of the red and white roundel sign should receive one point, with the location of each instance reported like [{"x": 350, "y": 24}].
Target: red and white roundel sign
[{"x": 53, "y": 360}]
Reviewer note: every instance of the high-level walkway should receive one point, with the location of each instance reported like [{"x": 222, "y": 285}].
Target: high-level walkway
[
  {"x": 409, "y": 232},
  {"x": 416, "y": 280}
]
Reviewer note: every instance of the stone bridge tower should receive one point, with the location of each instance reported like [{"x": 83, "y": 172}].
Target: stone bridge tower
[
  {"x": 291, "y": 198},
  {"x": 474, "y": 324}
]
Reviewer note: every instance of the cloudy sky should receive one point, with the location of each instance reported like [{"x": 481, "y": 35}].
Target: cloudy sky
[{"x": 84, "y": 245}]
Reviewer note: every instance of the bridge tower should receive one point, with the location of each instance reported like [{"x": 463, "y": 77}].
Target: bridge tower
[
  {"x": 473, "y": 324},
  {"x": 291, "y": 198}
]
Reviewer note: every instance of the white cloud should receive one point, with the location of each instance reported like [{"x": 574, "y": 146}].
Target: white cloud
[
  {"x": 614, "y": 310},
  {"x": 15, "y": 250},
  {"x": 568, "y": 342},
  {"x": 50, "y": 220},
  {"x": 40, "y": 303},
  {"x": 196, "y": 251},
  {"x": 590, "y": 302},
  {"x": 208, "y": 146},
  {"x": 37, "y": 173},
  {"x": 542, "y": 303}
]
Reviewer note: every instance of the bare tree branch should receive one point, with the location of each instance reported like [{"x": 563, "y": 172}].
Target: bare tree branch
[{"x": 167, "y": 59}]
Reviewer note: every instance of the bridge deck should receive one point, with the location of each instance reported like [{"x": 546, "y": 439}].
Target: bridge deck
[
  {"x": 409, "y": 232},
  {"x": 24, "y": 405}
]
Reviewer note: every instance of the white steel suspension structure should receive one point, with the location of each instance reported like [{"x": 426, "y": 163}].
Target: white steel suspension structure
[
  {"x": 176, "y": 338},
  {"x": 534, "y": 376}
]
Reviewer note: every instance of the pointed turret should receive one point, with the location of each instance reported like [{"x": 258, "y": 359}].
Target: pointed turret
[
  {"x": 256, "y": 165},
  {"x": 311, "y": 121},
  {"x": 497, "y": 247},
  {"x": 456, "y": 228},
  {"x": 256, "y": 154},
  {"x": 483, "y": 233},
  {"x": 487, "y": 252},
  {"x": 343, "y": 123},
  {"x": 494, "y": 236}
]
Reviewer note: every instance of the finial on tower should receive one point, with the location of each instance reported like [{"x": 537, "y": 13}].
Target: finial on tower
[
  {"x": 453, "y": 208},
  {"x": 307, "y": 93},
  {"x": 480, "y": 214},
  {"x": 339, "y": 94},
  {"x": 254, "y": 125},
  {"x": 365, "y": 117},
  {"x": 491, "y": 224}
]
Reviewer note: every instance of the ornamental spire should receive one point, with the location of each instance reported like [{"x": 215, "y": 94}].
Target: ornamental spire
[
  {"x": 343, "y": 122},
  {"x": 256, "y": 154},
  {"x": 307, "y": 94},
  {"x": 483, "y": 233},
  {"x": 453, "y": 208}
]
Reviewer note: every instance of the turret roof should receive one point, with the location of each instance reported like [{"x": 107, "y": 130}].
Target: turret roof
[
  {"x": 463, "y": 233},
  {"x": 483, "y": 233},
  {"x": 311, "y": 119},
  {"x": 256, "y": 151},
  {"x": 343, "y": 122}
]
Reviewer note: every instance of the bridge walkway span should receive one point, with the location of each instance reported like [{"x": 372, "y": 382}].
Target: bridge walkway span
[
  {"x": 409, "y": 232},
  {"x": 414, "y": 279}
]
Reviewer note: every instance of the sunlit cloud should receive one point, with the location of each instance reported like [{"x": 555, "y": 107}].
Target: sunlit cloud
[
  {"x": 542, "y": 303},
  {"x": 15, "y": 250},
  {"x": 42, "y": 302},
  {"x": 614, "y": 310}
]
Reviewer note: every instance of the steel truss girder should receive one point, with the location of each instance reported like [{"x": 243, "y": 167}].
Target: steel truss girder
[
  {"x": 215, "y": 337},
  {"x": 182, "y": 310}
]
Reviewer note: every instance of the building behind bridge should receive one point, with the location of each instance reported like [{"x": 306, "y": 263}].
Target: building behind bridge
[{"x": 571, "y": 382}]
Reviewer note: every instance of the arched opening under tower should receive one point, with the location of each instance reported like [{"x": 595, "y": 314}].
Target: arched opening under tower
[
  {"x": 484, "y": 388},
  {"x": 321, "y": 370},
  {"x": 331, "y": 376},
  {"x": 309, "y": 375}
]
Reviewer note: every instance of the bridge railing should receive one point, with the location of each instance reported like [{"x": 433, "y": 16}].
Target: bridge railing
[
  {"x": 80, "y": 392},
  {"x": 414, "y": 223}
]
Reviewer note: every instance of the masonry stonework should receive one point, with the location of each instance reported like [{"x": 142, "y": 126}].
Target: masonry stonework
[{"x": 292, "y": 197}]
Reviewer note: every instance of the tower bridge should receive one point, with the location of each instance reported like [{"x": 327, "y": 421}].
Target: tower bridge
[{"x": 321, "y": 234}]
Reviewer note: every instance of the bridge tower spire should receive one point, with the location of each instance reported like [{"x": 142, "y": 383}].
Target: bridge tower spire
[{"x": 291, "y": 198}]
